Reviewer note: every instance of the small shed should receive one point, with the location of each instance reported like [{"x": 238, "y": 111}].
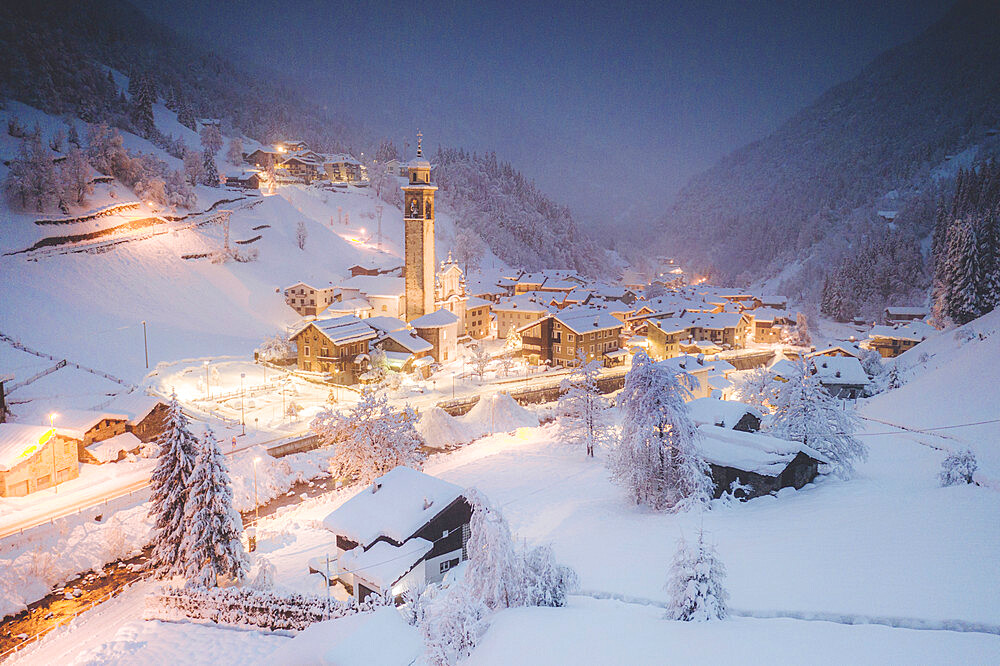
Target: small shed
[{"x": 725, "y": 414}]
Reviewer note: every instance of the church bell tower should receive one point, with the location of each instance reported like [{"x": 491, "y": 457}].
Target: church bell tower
[{"x": 418, "y": 219}]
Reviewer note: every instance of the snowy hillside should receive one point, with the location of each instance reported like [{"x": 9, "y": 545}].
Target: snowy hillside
[{"x": 952, "y": 384}]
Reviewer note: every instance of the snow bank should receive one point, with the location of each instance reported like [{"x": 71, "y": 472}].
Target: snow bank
[
  {"x": 382, "y": 637},
  {"x": 441, "y": 430},
  {"x": 274, "y": 475},
  {"x": 498, "y": 413}
]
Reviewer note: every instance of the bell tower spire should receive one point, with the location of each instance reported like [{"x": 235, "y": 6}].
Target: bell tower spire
[{"x": 418, "y": 220}]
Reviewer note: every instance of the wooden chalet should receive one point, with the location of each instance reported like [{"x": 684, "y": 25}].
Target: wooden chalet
[
  {"x": 337, "y": 346},
  {"x": 556, "y": 339}
]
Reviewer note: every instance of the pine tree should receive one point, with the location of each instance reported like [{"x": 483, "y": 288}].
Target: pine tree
[
  {"x": 961, "y": 292},
  {"x": 695, "y": 585},
  {"x": 141, "y": 112},
  {"x": 495, "y": 571},
  {"x": 211, "y": 173},
  {"x": 212, "y": 545},
  {"x": 656, "y": 458},
  {"x": 583, "y": 414},
  {"x": 988, "y": 262},
  {"x": 805, "y": 412},
  {"x": 169, "y": 484}
]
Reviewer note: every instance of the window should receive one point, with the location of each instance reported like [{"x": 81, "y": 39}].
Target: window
[
  {"x": 447, "y": 564},
  {"x": 307, "y": 350},
  {"x": 558, "y": 350}
]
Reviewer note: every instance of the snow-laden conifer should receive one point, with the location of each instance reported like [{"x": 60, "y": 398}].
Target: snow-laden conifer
[
  {"x": 212, "y": 545},
  {"x": 583, "y": 414},
  {"x": 695, "y": 586},
  {"x": 805, "y": 412},
  {"x": 370, "y": 439},
  {"x": 656, "y": 458},
  {"x": 546, "y": 582},
  {"x": 958, "y": 468},
  {"x": 495, "y": 570},
  {"x": 757, "y": 387},
  {"x": 169, "y": 490},
  {"x": 962, "y": 293}
]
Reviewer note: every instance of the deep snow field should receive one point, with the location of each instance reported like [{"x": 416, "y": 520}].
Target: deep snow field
[{"x": 885, "y": 568}]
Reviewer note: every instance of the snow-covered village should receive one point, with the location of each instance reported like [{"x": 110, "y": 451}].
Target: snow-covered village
[{"x": 429, "y": 335}]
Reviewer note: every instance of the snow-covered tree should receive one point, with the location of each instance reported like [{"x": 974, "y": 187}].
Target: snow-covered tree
[
  {"x": 547, "y": 583},
  {"x": 275, "y": 348},
  {"x": 234, "y": 154},
  {"x": 583, "y": 413},
  {"x": 210, "y": 175},
  {"x": 513, "y": 341},
  {"x": 211, "y": 544},
  {"x": 370, "y": 439},
  {"x": 799, "y": 334},
  {"x": 962, "y": 293},
  {"x": 194, "y": 167},
  {"x": 211, "y": 139},
  {"x": 871, "y": 361},
  {"x": 757, "y": 387},
  {"x": 655, "y": 457},
  {"x": 143, "y": 92},
  {"x": 958, "y": 468},
  {"x": 169, "y": 484},
  {"x": 469, "y": 248},
  {"x": 75, "y": 176},
  {"x": 452, "y": 623},
  {"x": 480, "y": 359},
  {"x": 301, "y": 235},
  {"x": 506, "y": 362},
  {"x": 495, "y": 570},
  {"x": 805, "y": 412},
  {"x": 695, "y": 586},
  {"x": 379, "y": 366},
  {"x": 33, "y": 181}
]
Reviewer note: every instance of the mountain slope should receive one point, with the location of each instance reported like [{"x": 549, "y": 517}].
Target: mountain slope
[{"x": 826, "y": 168}]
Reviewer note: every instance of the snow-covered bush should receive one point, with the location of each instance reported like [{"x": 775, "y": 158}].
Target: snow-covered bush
[
  {"x": 757, "y": 387},
  {"x": 547, "y": 583},
  {"x": 655, "y": 458},
  {"x": 958, "y": 468},
  {"x": 454, "y": 619},
  {"x": 696, "y": 581}
]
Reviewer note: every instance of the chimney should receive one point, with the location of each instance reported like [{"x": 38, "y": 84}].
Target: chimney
[
  {"x": 375, "y": 486},
  {"x": 427, "y": 503}
]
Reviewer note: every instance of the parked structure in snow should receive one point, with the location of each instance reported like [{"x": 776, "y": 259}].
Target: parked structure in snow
[{"x": 404, "y": 531}]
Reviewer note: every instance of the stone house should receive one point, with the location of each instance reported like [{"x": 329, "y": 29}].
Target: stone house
[
  {"x": 477, "y": 317},
  {"x": 36, "y": 457},
  {"x": 385, "y": 293},
  {"x": 309, "y": 301},
  {"x": 558, "y": 338},
  {"x": 517, "y": 311}
]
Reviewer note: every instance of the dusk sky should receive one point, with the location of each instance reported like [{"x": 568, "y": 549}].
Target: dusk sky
[{"x": 609, "y": 107}]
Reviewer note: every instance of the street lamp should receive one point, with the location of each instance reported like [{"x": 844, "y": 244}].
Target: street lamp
[{"x": 256, "y": 506}]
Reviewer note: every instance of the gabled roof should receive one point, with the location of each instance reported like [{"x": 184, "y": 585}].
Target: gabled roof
[
  {"x": 410, "y": 341},
  {"x": 136, "y": 405},
  {"x": 340, "y": 330},
  {"x": 437, "y": 319},
  {"x": 586, "y": 320},
  {"x": 376, "y": 285},
  {"x": 476, "y": 302},
  {"x": 521, "y": 303},
  {"x": 915, "y": 330},
  {"x": 723, "y": 413},
  {"x": 404, "y": 501},
  {"x": 383, "y": 564},
  {"x": 839, "y": 370},
  {"x": 715, "y": 321},
  {"x": 82, "y": 420},
  {"x": 385, "y": 324}
]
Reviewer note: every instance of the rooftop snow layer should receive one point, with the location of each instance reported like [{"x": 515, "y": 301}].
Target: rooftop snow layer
[
  {"x": 376, "y": 285},
  {"x": 436, "y": 319},
  {"x": 395, "y": 509},
  {"x": 108, "y": 450},
  {"x": 724, "y": 413},
  {"x": 410, "y": 341},
  {"x": 19, "y": 442},
  {"x": 383, "y": 564},
  {"x": 840, "y": 370},
  {"x": 750, "y": 451}
]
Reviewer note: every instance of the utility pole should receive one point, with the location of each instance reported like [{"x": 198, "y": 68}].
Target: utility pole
[
  {"x": 243, "y": 417},
  {"x": 378, "y": 210},
  {"x": 145, "y": 346}
]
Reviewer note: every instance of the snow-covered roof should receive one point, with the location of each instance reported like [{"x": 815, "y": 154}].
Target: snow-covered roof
[
  {"x": 348, "y": 306},
  {"x": 849, "y": 348},
  {"x": 715, "y": 321},
  {"x": 376, "y": 285},
  {"x": 771, "y": 314},
  {"x": 385, "y": 324},
  {"x": 20, "y": 442},
  {"x": 783, "y": 367},
  {"x": 410, "y": 341},
  {"x": 341, "y": 330},
  {"x": 914, "y": 330},
  {"x": 838, "y": 370},
  {"x": 723, "y": 413},
  {"x": 750, "y": 451},
  {"x": 894, "y": 311},
  {"x": 136, "y": 405},
  {"x": 437, "y": 319},
  {"x": 403, "y": 502},
  {"x": 82, "y": 420},
  {"x": 383, "y": 564},
  {"x": 108, "y": 450},
  {"x": 476, "y": 302},
  {"x": 522, "y": 303},
  {"x": 585, "y": 320}
]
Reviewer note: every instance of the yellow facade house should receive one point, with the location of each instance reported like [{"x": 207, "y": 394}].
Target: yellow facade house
[{"x": 34, "y": 458}]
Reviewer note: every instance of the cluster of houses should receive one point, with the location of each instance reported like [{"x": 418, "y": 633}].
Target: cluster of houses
[
  {"x": 294, "y": 162},
  {"x": 34, "y": 457}
]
